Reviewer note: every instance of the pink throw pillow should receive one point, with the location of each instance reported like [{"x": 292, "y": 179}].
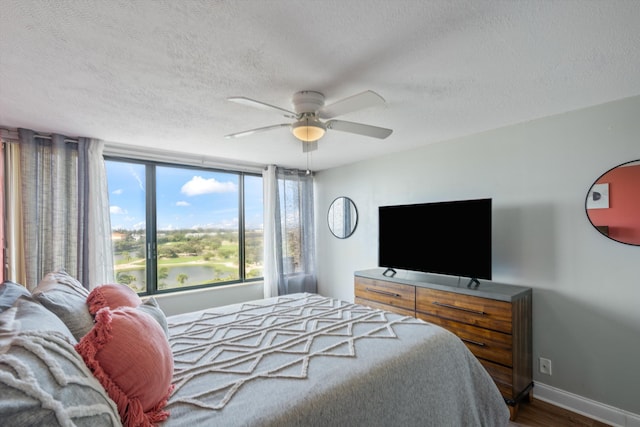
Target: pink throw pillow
[
  {"x": 128, "y": 352},
  {"x": 112, "y": 295}
]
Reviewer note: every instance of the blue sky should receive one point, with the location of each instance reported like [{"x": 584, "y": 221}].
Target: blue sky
[{"x": 186, "y": 198}]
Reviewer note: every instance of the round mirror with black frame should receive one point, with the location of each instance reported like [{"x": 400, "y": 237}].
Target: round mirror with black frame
[
  {"x": 342, "y": 217},
  {"x": 613, "y": 203}
]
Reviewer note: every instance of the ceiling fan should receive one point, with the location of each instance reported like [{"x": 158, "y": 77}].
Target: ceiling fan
[{"x": 313, "y": 118}]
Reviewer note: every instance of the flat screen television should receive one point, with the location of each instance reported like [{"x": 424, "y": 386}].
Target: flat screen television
[{"x": 451, "y": 238}]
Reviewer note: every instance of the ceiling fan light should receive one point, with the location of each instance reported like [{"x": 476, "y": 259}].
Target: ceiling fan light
[{"x": 308, "y": 130}]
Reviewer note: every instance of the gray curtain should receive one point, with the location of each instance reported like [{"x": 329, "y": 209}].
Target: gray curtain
[
  {"x": 294, "y": 232},
  {"x": 55, "y": 192}
]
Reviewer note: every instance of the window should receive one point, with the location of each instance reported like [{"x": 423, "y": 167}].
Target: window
[{"x": 176, "y": 227}]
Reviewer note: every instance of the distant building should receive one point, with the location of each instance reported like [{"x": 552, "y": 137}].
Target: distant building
[{"x": 116, "y": 236}]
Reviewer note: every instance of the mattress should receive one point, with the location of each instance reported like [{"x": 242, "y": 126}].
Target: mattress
[{"x": 309, "y": 360}]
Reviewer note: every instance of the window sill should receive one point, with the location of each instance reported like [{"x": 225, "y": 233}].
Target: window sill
[{"x": 199, "y": 299}]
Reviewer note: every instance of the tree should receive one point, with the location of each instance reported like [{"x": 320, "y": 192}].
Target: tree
[
  {"x": 166, "y": 251},
  {"x": 228, "y": 252},
  {"x": 215, "y": 243},
  {"x": 182, "y": 278},
  {"x": 125, "y": 279}
]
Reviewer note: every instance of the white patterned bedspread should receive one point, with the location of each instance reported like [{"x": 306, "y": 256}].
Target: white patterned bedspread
[{"x": 307, "y": 360}]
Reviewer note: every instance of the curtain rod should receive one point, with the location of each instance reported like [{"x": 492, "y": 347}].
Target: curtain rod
[
  {"x": 13, "y": 135},
  {"x": 167, "y": 156},
  {"x": 296, "y": 172},
  {"x": 146, "y": 153}
]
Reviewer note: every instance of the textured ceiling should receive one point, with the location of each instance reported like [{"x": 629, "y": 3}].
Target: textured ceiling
[{"x": 157, "y": 73}]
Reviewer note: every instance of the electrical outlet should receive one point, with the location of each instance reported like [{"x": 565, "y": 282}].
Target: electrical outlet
[{"x": 545, "y": 365}]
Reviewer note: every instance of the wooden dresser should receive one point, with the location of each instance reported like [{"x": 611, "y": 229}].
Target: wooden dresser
[{"x": 493, "y": 320}]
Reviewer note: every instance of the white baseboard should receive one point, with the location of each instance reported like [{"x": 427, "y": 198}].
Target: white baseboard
[{"x": 582, "y": 405}]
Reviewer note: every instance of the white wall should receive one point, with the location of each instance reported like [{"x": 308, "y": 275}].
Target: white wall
[
  {"x": 586, "y": 288},
  {"x": 200, "y": 299}
]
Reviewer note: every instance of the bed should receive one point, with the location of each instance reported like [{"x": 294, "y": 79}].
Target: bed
[
  {"x": 309, "y": 360},
  {"x": 106, "y": 357}
]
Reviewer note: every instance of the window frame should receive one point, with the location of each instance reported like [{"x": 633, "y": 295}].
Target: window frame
[{"x": 151, "y": 231}]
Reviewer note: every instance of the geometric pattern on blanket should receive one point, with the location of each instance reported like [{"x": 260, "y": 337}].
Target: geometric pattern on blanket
[
  {"x": 43, "y": 381},
  {"x": 278, "y": 340}
]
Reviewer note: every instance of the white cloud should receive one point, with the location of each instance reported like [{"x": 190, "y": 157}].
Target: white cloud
[
  {"x": 139, "y": 226},
  {"x": 183, "y": 203},
  {"x": 117, "y": 210},
  {"x": 229, "y": 223},
  {"x": 117, "y": 192},
  {"x": 198, "y": 185}
]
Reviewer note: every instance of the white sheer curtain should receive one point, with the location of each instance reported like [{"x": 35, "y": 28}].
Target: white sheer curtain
[
  {"x": 100, "y": 256},
  {"x": 60, "y": 216},
  {"x": 272, "y": 268},
  {"x": 290, "y": 262}
]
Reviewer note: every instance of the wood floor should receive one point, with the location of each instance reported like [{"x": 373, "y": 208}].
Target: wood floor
[{"x": 542, "y": 414}]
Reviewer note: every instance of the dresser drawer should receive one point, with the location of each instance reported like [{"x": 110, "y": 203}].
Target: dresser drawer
[
  {"x": 394, "y": 294},
  {"x": 483, "y": 343},
  {"x": 377, "y": 305},
  {"x": 482, "y": 312},
  {"x": 502, "y": 376}
]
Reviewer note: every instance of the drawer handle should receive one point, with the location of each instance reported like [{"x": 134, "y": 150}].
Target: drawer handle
[
  {"x": 478, "y": 343},
  {"x": 468, "y": 310},
  {"x": 389, "y": 294}
]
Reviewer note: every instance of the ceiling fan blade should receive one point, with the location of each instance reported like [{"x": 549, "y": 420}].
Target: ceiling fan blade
[
  {"x": 359, "y": 128},
  {"x": 261, "y": 105},
  {"x": 356, "y": 102},
  {"x": 252, "y": 131}
]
